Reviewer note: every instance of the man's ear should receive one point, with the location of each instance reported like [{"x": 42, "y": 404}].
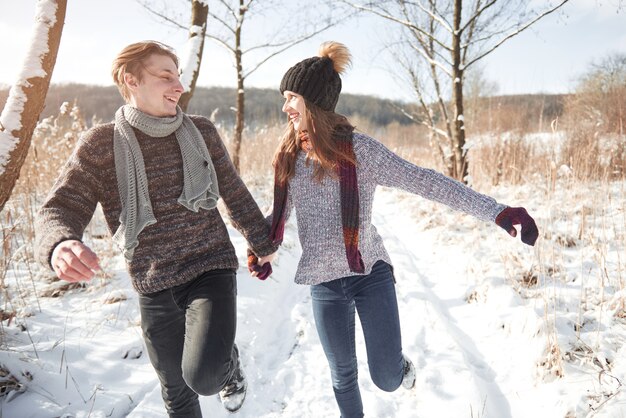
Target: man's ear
[{"x": 131, "y": 81}]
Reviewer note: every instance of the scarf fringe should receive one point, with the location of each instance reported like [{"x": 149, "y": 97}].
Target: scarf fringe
[{"x": 200, "y": 189}]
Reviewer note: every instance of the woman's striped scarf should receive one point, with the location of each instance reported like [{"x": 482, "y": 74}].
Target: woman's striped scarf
[{"x": 349, "y": 195}]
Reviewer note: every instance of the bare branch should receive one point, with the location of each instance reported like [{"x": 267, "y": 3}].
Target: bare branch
[
  {"x": 517, "y": 32},
  {"x": 433, "y": 129},
  {"x": 222, "y": 21},
  {"x": 163, "y": 16},
  {"x": 427, "y": 44},
  {"x": 488, "y": 36},
  {"x": 286, "y": 46},
  {"x": 230, "y": 9},
  {"x": 268, "y": 45},
  {"x": 220, "y": 41},
  {"x": 405, "y": 23},
  {"x": 430, "y": 60},
  {"x": 423, "y": 101},
  {"x": 293, "y": 42},
  {"x": 412, "y": 117},
  {"x": 430, "y": 50},
  {"x": 470, "y": 35},
  {"x": 434, "y": 16},
  {"x": 477, "y": 14},
  {"x": 419, "y": 92}
]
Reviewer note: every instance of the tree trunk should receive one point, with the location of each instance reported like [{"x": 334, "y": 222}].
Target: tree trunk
[
  {"x": 458, "y": 132},
  {"x": 199, "y": 13},
  {"x": 238, "y": 135},
  {"x": 240, "y": 117},
  {"x": 30, "y": 95}
]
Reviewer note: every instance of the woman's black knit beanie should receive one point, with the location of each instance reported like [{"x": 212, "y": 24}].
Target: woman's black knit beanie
[{"x": 316, "y": 80}]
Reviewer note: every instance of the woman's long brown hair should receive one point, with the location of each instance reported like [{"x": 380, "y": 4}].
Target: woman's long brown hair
[{"x": 321, "y": 125}]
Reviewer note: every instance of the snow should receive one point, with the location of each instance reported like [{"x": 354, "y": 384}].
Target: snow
[
  {"x": 495, "y": 328},
  {"x": 190, "y": 58},
  {"x": 10, "y": 119}
]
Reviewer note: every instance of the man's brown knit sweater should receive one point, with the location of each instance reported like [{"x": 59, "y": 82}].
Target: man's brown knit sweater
[{"x": 182, "y": 244}]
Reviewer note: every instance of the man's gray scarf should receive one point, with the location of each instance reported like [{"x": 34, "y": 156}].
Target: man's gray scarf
[{"x": 199, "y": 180}]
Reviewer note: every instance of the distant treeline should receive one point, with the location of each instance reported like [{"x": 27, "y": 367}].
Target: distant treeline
[{"x": 263, "y": 107}]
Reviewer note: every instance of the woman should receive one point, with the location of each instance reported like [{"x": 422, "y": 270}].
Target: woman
[{"x": 329, "y": 173}]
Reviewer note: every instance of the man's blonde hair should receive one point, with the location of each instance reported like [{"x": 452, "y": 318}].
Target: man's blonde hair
[{"x": 131, "y": 60}]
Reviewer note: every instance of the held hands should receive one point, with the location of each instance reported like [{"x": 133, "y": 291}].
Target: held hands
[
  {"x": 260, "y": 268},
  {"x": 73, "y": 261},
  {"x": 518, "y": 216}
]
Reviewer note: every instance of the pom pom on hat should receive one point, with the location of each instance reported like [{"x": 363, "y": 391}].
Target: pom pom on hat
[{"x": 317, "y": 78}]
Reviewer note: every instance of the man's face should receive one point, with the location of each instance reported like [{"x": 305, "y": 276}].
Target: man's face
[{"x": 159, "y": 90}]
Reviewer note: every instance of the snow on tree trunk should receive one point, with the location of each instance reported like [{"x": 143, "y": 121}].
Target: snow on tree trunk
[
  {"x": 192, "y": 57},
  {"x": 458, "y": 125},
  {"x": 27, "y": 95}
]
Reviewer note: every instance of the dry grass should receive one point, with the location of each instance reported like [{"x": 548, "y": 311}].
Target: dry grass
[
  {"x": 52, "y": 143},
  {"x": 257, "y": 150}
]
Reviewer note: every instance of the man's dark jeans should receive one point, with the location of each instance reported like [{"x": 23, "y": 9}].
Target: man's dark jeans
[{"x": 189, "y": 332}]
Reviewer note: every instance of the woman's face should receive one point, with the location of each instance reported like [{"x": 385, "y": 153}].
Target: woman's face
[{"x": 295, "y": 108}]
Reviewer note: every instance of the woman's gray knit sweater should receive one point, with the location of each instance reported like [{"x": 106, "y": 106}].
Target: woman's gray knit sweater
[
  {"x": 182, "y": 244},
  {"x": 318, "y": 207}
]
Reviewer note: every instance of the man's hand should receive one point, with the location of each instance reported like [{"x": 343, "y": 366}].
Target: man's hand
[{"x": 73, "y": 261}]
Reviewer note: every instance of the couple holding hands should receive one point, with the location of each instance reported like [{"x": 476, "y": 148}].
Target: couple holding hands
[{"x": 158, "y": 174}]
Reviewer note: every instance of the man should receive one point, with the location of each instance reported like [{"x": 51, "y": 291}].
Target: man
[{"x": 158, "y": 174}]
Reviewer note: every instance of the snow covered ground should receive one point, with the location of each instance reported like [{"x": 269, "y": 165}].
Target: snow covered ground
[{"x": 495, "y": 328}]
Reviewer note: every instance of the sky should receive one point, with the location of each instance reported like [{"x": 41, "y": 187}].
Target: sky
[
  {"x": 548, "y": 57},
  {"x": 482, "y": 343}
]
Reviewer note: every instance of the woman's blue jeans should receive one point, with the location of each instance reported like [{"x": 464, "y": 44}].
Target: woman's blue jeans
[
  {"x": 373, "y": 296},
  {"x": 189, "y": 332}
]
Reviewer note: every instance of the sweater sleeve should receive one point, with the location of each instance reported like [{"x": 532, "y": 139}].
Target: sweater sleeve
[
  {"x": 70, "y": 205},
  {"x": 388, "y": 169},
  {"x": 242, "y": 209},
  {"x": 288, "y": 209}
]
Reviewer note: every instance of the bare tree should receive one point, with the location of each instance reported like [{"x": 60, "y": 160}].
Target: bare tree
[
  {"x": 439, "y": 41},
  {"x": 229, "y": 17},
  {"x": 600, "y": 97},
  {"x": 595, "y": 121},
  {"x": 27, "y": 96},
  {"x": 192, "y": 57}
]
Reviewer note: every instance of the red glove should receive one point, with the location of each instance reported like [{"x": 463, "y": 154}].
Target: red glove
[
  {"x": 518, "y": 216},
  {"x": 263, "y": 271}
]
